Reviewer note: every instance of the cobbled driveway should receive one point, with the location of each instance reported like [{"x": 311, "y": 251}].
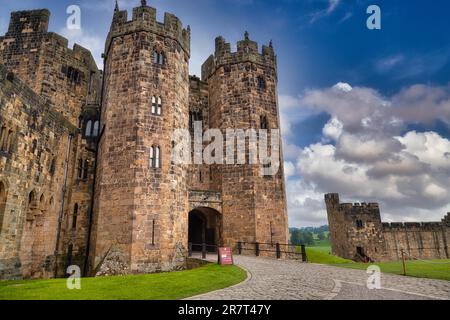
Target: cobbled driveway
[{"x": 293, "y": 280}]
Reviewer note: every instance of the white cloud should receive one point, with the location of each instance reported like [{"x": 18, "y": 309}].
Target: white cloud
[
  {"x": 328, "y": 11},
  {"x": 371, "y": 159}
]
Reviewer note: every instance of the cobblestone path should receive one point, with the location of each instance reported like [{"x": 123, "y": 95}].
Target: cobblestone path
[{"x": 293, "y": 280}]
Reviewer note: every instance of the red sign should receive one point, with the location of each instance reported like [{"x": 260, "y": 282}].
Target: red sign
[{"x": 225, "y": 256}]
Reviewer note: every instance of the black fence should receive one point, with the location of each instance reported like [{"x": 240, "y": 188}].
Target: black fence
[
  {"x": 203, "y": 248},
  {"x": 278, "y": 250}
]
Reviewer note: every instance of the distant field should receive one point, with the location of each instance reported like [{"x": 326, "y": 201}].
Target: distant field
[{"x": 435, "y": 269}]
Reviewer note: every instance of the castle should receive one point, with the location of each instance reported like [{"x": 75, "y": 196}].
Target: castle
[
  {"x": 357, "y": 233},
  {"x": 86, "y": 176}
]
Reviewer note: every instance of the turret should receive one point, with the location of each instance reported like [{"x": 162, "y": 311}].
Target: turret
[{"x": 141, "y": 196}]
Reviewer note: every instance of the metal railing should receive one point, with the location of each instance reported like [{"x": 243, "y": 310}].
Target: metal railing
[
  {"x": 201, "y": 247},
  {"x": 278, "y": 249}
]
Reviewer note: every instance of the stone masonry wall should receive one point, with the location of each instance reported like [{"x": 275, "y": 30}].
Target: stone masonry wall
[
  {"x": 32, "y": 170},
  {"x": 359, "y": 225},
  {"x": 254, "y": 207},
  {"x": 141, "y": 210}
]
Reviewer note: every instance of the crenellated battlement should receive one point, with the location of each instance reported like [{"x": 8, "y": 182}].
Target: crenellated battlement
[
  {"x": 30, "y": 21},
  {"x": 412, "y": 226},
  {"x": 247, "y": 51},
  {"x": 144, "y": 19}
]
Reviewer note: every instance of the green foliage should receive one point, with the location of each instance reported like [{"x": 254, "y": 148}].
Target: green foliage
[
  {"x": 163, "y": 286},
  {"x": 299, "y": 237}
]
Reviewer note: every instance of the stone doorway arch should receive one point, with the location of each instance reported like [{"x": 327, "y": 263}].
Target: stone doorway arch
[{"x": 205, "y": 226}]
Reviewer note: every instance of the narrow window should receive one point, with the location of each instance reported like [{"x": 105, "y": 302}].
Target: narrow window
[
  {"x": 155, "y": 57},
  {"x": 162, "y": 58},
  {"x": 52, "y": 166},
  {"x": 86, "y": 170},
  {"x": 75, "y": 216},
  {"x": 153, "y": 105},
  {"x": 95, "y": 131},
  {"x": 159, "y": 106},
  {"x": 88, "y": 130},
  {"x": 80, "y": 168},
  {"x": 152, "y": 157},
  {"x": 359, "y": 224},
  {"x": 261, "y": 83},
  {"x": 158, "y": 157},
  {"x": 200, "y": 177},
  {"x": 264, "y": 123},
  {"x": 153, "y": 232},
  {"x": 33, "y": 150}
]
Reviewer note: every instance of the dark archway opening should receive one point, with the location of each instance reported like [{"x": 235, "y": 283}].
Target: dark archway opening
[{"x": 205, "y": 226}]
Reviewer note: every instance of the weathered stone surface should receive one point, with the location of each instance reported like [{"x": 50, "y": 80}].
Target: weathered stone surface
[{"x": 69, "y": 197}]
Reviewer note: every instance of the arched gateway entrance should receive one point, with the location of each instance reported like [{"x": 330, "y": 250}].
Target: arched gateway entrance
[{"x": 205, "y": 226}]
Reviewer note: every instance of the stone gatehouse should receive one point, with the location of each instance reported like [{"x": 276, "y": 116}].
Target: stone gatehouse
[
  {"x": 86, "y": 176},
  {"x": 357, "y": 233}
]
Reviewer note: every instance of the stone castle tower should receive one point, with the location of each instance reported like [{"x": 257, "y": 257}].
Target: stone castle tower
[
  {"x": 141, "y": 197},
  {"x": 357, "y": 233},
  {"x": 99, "y": 188}
]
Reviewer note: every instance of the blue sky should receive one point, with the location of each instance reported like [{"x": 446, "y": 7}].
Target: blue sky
[{"x": 343, "y": 89}]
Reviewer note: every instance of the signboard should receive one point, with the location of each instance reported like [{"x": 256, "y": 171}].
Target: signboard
[{"x": 225, "y": 256}]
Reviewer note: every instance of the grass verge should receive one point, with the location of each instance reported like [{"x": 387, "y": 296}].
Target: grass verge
[
  {"x": 162, "y": 286},
  {"x": 433, "y": 269}
]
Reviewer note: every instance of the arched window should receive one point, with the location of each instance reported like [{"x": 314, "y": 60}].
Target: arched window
[
  {"x": 2, "y": 204},
  {"x": 158, "y": 158},
  {"x": 42, "y": 206},
  {"x": 32, "y": 205},
  {"x": 88, "y": 131},
  {"x": 159, "y": 58},
  {"x": 156, "y": 106},
  {"x": 52, "y": 167},
  {"x": 95, "y": 131},
  {"x": 152, "y": 157},
  {"x": 264, "y": 123},
  {"x": 75, "y": 216}
]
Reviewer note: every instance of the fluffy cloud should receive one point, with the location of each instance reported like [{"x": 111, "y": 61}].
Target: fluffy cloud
[{"x": 366, "y": 154}]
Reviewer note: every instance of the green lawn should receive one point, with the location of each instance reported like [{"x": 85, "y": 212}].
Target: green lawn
[
  {"x": 435, "y": 269},
  {"x": 163, "y": 286}
]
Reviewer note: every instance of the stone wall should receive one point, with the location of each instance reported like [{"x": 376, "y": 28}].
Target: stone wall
[
  {"x": 254, "y": 206},
  {"x": 69, "y": 84},
  {"x": 354, "y": 226},
  {"x": 32, "y": 171},
  {"x": 141, "y": 205}
]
